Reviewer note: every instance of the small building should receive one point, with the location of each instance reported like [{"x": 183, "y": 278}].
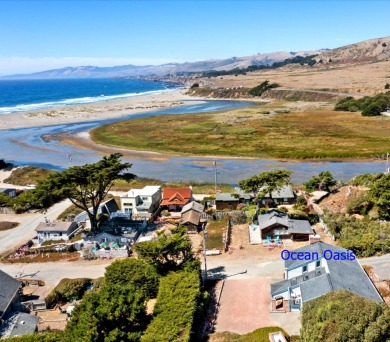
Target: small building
[
  {"x": 57, "y": 230},
  {"x": 323, "y": 270},
  {"x": 9, "y": 294},
  {"x": 275, "y": 224},
  {"x": 225, "y": 200},
  {"x": 19, "y": 324},
  {"x": 191, "y": 219},
  {"x": 282, "y": 195},
  {"x": 174, "y": 199},
  {"x": 141, "y": 203},
  {"x": 10, "y": 192},
  {"x": 193, "y": 206},
  {"x": 107, "y": 207}
]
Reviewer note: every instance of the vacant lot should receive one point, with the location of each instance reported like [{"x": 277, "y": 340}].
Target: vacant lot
[{"x": 247, "y": 132}]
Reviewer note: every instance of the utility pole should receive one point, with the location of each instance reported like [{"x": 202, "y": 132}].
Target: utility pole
[
  {"x": 204, "y": 252},
  {"x": 387, "y": 162},
  {"x": 215, "y": 176}
]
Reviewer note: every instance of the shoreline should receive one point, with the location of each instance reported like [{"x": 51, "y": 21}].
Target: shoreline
[{"x": 97, "y": 110}]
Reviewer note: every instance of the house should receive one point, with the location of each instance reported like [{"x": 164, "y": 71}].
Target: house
[
  {"x": 225, "y": 200},
  {"x": 275, "y": 224},
  {"x": 141, "y": 203},
  {"x": 10, "y": 192},
  {"x": 191, "y": 219},
  {"x": 193, "y": 206},
  {"x": 9, "y": 294},
  {"x": 18, "y": 324},
  {"x": 107, "y": 207},
  {"x": 56, "y": 230},
  {"x": 314, "y": 270},
  {"x": 244, "y": 197},
  {"x": 282, "y": 195},
  {"x": 174, "y": 199}
]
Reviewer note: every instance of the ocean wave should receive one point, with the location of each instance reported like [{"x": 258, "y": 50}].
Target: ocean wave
[{"x": 76, "y": 101}]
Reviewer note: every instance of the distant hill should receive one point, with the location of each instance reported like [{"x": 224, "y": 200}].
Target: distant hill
[
  {"x": 372, "y": 50},
  {"x": 367, "y": 51},
  {"x": 164, "y": 69}
]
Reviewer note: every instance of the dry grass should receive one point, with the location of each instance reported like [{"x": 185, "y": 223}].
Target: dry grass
[
  {"x": 45, "y": 257},
  {"x": 5, "y": 225},
  {"x": 246, "y": 132},
  {"x": 214, "y": 233}
]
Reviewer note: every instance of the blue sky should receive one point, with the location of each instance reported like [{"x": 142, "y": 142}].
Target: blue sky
[{"x": 39, "y": 35}]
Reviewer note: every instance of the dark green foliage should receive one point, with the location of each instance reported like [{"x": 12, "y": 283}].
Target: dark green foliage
[
  {"x": 322, "y": 182},
  {"x": 266, "y": 181},
  {"x": 168, "y": 253},
  {"x": 86, "y": 186},
  {"x": 380, "y": 195},
  {"x": 47, "y": 336},
  {"x": 115, "y": 313},
  {"x": 28, "y": 175},
  {"x": 242, "y": 71},
  {"x": 68, "y": 290},
  {"x": 5, "y": 200},
  {"x": 360, "y": 204},
  {"x": 3, "y": 164},
  {"x": 135, "y": 272},
  {"x": 369, "y": 106},
  {"x": 364, "y": 238},
  {"x": 387, "y": 86},
  {"x": 342, "y": 316},
  {"x": 262, "y": 87},
  {"x": 365, "y": 179},
  {"x": 177, "y": 303}
]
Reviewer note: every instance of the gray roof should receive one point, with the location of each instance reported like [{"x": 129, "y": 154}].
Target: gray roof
[
  {"x": 284, "y": 284},
  {"x": 8, "y": 288},
  {"x": 294, "y": 226},
  {"x": 226, "y": 197},
  {"x": 193, "y": 206},
  {"x": 244, "y": 195},
  {"x": 191, "y": 216},
  {"x": 284, "y": 191},
  {"x": 343, "y": 275},
  {"x": 57, "y": 226},
  {"x": 19, "y": 324}
]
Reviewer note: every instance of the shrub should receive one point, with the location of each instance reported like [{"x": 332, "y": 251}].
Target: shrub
[
  {"x": 387, "y": 86},
  {"x": 262, "y": 87},
  {"x": 177, "y": 303},
  {"x": 68, "y": 290}
]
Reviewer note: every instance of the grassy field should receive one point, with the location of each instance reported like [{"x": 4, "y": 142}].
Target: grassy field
[
  {"x": 248, "y": 132},
  {"x": 214, "y": 233},
  {"x": 28, "y": 175}
]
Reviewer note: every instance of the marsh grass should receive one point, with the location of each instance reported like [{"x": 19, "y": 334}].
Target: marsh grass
[{"x": 296, "y": 135}]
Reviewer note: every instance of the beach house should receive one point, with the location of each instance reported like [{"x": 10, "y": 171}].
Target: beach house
[
  {"x": 56, "y": 230},
  {"x": 282, "y": 195},
  {"x": 141, "y": 203},
  {"x": 319, "y": 269},
  {"x": 174, "y": 199}
]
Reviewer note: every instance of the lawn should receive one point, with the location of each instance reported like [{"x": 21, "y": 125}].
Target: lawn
[
  {"x": 247, "y": 132},
  {"x": 214, "y": 233}
]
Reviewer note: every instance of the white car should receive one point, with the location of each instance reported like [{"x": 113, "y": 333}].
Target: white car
[{"x": 30, "y": 187}]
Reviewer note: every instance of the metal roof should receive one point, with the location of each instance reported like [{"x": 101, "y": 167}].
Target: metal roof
[
  {"x": 226, "y": 197},
  {"x": 56, "y": 226},
  {"x": 193, "y": 206},
  {"x": 284, "y": 191}
]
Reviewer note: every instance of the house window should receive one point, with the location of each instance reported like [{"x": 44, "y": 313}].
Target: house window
[
  {"x": 305, "y": 277},
  {"x": 304, "y": 269},
  {"x": 318, "y": 263},
  {"x": 60, "y": 234},
  {"x": 144, "y": 198},
  {"x": 285, "y": 199}
]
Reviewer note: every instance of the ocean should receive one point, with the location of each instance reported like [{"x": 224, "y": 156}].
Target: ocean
[{"x": 28, "y": 95}]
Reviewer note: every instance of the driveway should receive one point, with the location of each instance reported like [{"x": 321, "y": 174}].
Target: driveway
[
  {"x": 381, "y": 265},
  {"x": 244, "y": 306}
]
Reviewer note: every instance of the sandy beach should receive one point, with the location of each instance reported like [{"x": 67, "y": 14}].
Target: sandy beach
[{"x": 96, "y": 110}]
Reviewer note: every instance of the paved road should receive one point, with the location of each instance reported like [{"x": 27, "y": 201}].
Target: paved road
[
  {"x": 380, "y": 264},
  {"x": 12, "y": 238}
]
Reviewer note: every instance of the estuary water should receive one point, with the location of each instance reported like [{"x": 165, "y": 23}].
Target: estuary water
[{"x": 27, "y": 147}]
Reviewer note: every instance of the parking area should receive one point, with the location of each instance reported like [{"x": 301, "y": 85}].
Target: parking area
[{"x": 244, "y": 306}]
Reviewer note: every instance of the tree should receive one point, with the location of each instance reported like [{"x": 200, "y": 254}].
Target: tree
[
  {"x": 265, "y": 182},
  {"x": 133, "y": 271},
  {"x": 169, "y": 252},
  {"x": 86, "y": 186},
  {"x": 344, "y": 316},
  {"x": 115, "y": 313},
  {"x": 262, "y": 87},
  {"x": 380, "y": 195},
  {"x": 373, "y": 109},
  {"x": 321, "y": 182}
]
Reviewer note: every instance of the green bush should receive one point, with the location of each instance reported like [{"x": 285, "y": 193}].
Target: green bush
[
  {"x": 68, "y": 290},
  {"x": 46, "y": 336},
  {"x": 369, "y": 106},
  {"x": 262, "y": 87},
  {"x": 344, "y": 316},
  {"x": 177, "y": 304}
]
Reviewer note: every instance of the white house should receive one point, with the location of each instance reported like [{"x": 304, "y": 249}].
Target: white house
[
  {"x": 314, "y": 270},
  {"x": 57, "y": 230},
  {"x": 141, "y": 202}
]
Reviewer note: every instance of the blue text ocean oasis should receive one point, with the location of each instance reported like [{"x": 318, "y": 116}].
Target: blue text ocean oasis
[{"x": 327, "y": 255}]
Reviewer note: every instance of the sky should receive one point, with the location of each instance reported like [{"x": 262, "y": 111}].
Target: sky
[{"x": 40, "y": 35}]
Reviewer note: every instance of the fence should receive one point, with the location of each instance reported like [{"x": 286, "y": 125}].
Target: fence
[
  {"x": 220, "y": 214},
  {"x": 5, "y": 210}
]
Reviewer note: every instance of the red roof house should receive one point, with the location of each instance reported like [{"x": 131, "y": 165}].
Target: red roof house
[{"x": 176, "y": 198}]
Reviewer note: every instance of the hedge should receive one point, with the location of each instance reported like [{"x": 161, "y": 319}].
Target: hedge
[
  {"x": 68, "y": 290},
  {"x": 176, "y": 307}
]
